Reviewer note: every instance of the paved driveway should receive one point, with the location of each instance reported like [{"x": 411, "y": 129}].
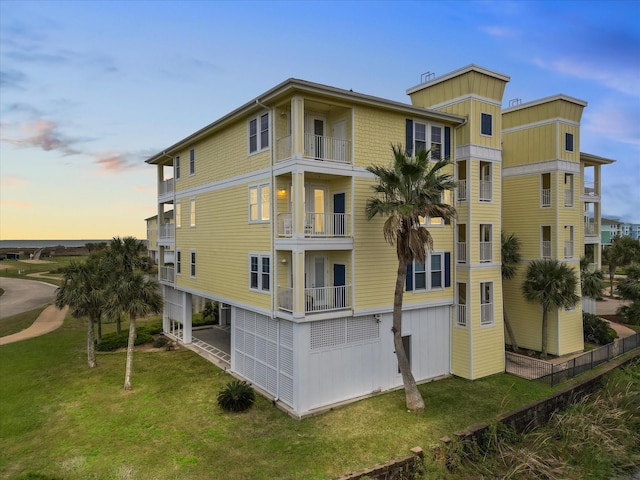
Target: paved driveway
[{"x": 23, "y": 295}]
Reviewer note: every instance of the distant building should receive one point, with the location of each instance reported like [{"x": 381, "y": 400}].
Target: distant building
[{"x": 612, "y": 227}]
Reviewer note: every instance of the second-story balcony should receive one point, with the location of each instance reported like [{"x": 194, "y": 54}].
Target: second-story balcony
[
  {"x": 568, "y": 249},
  {"x": 546, "y": 249},
  {"x": 317, "y": 300},
  {"x": 317, "y": 225},
  {"x": 545, "y": 197},
  {"x": 486, "y": 193},
  {"x": 461, "y": 315},
  {"x": 590, "y": 229},
  {"x": 317, "y": 147},
  {"x": 166, "y": 274},
  {"x": 485, "y": 251},
  {"x": 167, "y": 232},
  {"x": 462, "y": 252},
  {"x": 166, "y": 187},
  {"x": 462, "y": 191},
  {"x": 591, "y": 189}
]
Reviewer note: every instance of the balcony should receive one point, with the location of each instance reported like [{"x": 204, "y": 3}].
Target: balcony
[
  {"x": 318, "y": 147},
  {"x": 167, "y": 231},
  {"x": 546, "y": 249},
  {"x": 568, "y": 198},
  {"x": 590, "y": 189},
  {"x": 317, "y": 225},
  {"x": 461, "y": 252},
  {"x": 462, "y": 191},
  {"x": 568, "y": 249},
  {"x": 166, "y": 187},
  {"x": 545, "y": 197},
  {"x": 486, "y": 313},
  {"x": 317, "y": 300},
  {"x": 485, "y": 251},
  {"x": 461, "y": 315},
  {"x": 590, "y": 229},
  {"x": 485, "y": 191},
  {"x": 166, "y": 274}
]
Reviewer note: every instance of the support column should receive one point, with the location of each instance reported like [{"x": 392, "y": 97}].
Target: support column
[
  {"x": 299, "y": 300},
  {"x": 187, "y": 312}
]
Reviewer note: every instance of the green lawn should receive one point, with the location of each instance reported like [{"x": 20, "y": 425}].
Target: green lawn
[{"x": 18, "y": 269}]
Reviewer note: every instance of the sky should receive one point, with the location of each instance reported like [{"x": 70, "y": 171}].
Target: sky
[{"x": 90, "y": 89}]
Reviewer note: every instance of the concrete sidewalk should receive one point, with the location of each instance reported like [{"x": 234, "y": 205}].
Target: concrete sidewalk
[{"x": 49, "y": 320}]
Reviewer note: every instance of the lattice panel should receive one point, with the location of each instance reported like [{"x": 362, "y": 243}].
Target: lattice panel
[
  {"x": 272, "y": 354},
  {"x": 260, "y": 378},
  {"x": 239, "y": 319},
  {"x": 249, "y": 322},
  {"x": 272, "y": 379},
  {"x": 286, "y": 361},
  {"x": 273, "y": 330},
  {"x": 362, "y": 328},
  {"x": 261, "y": 349},
  {"x": 249, "y": 368},
  {"x": 286, "y": 389},
  {"x": 286, "y": 333},
  {"x": 262, "y": 325},
  {"x": 240, "y": 363},
  {"x": 328, "y": 333},
  {"x": 239, "y": 340},
  {"x": 250, "y": 344}
]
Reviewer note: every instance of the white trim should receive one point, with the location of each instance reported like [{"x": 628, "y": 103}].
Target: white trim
[
  {"x": 258, "y": 117},
  {"x": 405, "y": 307},
  {"x": 546, "y": 166},
  {"x": 258, "y": 187},
  {"x": 468, "y": 152},
  {"x": 178, "y": 261},
  {"x": 192, "y": 154},
  {"x": 192, "y": 212},
  {"x": 540, "y": 101},
  {"x": 490, "y": 115},
  {"x": 456, "y": 73},
  {"x": 465, "y": 98},
  {"x": 260, "y": 256},
  {"x": 540, "y": 123},
  {"x": 193, "y": 270}
]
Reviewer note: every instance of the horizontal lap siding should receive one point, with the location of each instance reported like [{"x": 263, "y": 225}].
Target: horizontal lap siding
[
  {"x": 374, "y": 133},
  {"x": 571, "y": 331}
]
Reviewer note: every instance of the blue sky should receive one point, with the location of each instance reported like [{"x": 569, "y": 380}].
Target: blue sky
[{"x": 89, "y": 90}]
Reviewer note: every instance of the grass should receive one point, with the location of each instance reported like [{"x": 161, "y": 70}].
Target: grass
[
  {"x": 19, "y": 322},
  {"x": 61, "y": 419},
  {"x": 22, "y": 270}
]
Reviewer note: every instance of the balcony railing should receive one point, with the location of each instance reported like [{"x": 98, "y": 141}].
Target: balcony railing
[
  {"x": 568, "y": 249},
  {"x": 320, "y": 299},
  {"x": 485, "y": 251},
  {"x": 590, "y": 188},
  {"x": 462, "y": 190},
  {"x": 546, "y": 249},
  {"x": 167, "y": 231},
  {"x": 166, "y": 274},
  {"x": 545, "y": 197},
  {"x": 462, "y": 252},
  {"x": 327, "y": 148},
  {"x": 485, "y": 191},
  {"x": 461, "y": 315},
  {"x": 486, "y": 313},
  {"x": 590, "y": 229},
  {"x": 317, "y": 224},
  {"x": 568, "y": 198},
  {"x": 165, "y": 187}
]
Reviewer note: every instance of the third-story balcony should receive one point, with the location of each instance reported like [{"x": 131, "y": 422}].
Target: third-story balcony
[
  {"x": 317, "y": 300},
  {"x": 568, "y": 249},
  {"x": 166, "y": 274},
  {"x": 462, "y": 252},
  {"x": 545, "y": 197},
  {"x": 462, "y": 190},
  {"x": 485, "y": 251},
  {"x": 167, "y": 232},
  {"x": 317, "y": 225},
  {"x": 546, "y": 249},
  {"x": 590, "y": 229},
  {"x": 165, "y": 187},
  {"x": 317, "y": 147},
  {"x": 590, "y": 189},
  {"x": 485, "y": 191}
]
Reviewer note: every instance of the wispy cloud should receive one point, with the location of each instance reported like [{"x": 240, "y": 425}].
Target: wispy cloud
[
  {"x": 10, "y": 78},
  {"x": 114, "y": 162},
  {"x": 13, "y": 182},
  {"x": 615, "y": 120},
  {"x": 43, "y": 134},
  {"x": 16, "y": 203},
  {"x": 500, "y": 32}
]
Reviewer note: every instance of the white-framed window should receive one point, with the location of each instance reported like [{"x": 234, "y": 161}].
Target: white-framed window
[
  {"x": 259, "y": 133},
  {"x": 428, "y": 136},
  {"x": 486, "y": 124},
  {"x": 176, "y": 164},
  {"x": 178, "y": 210},
  {"x": 426, "y": 276},
  {"x": 486, "y": 303},
  {"x": 259, "y": 203},
  {"x": 486, "y": 243},
  {"x": 260, "y": 272},
  {"x": 178, "y": 261},
  {"x": 192, "y": 263},
  {"x": 420, "y": 137},
  {"x": 192, "y": 212},
  {"x": 436, "y": 142},
  {"x": 461, "y": 304},
  {"x": 192, "y": 161},
  {"x": 486, "y": 181},
  {"x": 568, "y": 142}
]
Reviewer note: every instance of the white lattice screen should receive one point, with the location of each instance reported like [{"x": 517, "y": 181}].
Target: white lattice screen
[{"x": 343, "y": 331}]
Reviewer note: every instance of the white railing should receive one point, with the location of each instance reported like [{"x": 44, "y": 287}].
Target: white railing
[
  {"x": 590, "y": 188},
  {"x": 545, "y": 197},
  {"x": 166, "y": 274},
  {"x": 462, "y": 252},
  {"x": 546, "y": 249},
  {"x": 167, "y": 231},
  {"x": 324, "y": 299},
  {"x": 485, "y": 190},
  {"x": 568, "y": 198},
  {"x": 462, "y": 190},
  {"x": 285, "y": 298},
  {"x": 166, "y": 187},
  {"x": 485, "y": 251},
  {"x": 285, "y": 225},
  {"x": 326, "y": 224},
  {"x": 461, "y": 315},
  {"x": 283, "y": 148},
  {"x": 486, "y": 313},
  {"x": 590, "y": 229},
  {"x": 568, "y": 249},
  {"x": 327, "y": 148}
]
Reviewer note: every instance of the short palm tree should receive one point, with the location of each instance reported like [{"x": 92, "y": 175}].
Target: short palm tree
[
  {"x": 411, "y": 189},
  {"x": 591, "y": 281},
  {"x": 510, "y": 260},
  {"x": 83, "y": 289},
  {"x": 552, "y": 284}
]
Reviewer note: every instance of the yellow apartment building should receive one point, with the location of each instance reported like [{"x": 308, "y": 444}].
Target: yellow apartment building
[{"x": 268, "y": 219}]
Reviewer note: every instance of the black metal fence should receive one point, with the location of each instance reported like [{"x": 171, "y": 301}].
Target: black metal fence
[{"x": 555, "y": 373}]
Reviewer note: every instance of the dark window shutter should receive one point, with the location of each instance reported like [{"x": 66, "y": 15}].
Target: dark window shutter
[
  {"x": 447, "y": 269},
  {"x": 447, "y": 142},
  {"x": 409, "y": 139},
  {"x": 409, "y": 277}
]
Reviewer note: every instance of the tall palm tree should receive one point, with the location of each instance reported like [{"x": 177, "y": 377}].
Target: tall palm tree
[
  {"x": 621, "y": 252},
  {"x": 411, "y": 189},
  {"x": 83, "y": 289},
  {"x": 510, "y": 260},
  {"x": 552, "y": 284},
  {"x": 591, "y": 281},
  {"x": 136, "y": 295}
]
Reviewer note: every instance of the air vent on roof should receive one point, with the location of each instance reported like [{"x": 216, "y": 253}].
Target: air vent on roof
[
  {"x": 515, "y": 101},
  {"x": 427, "y": 76}
]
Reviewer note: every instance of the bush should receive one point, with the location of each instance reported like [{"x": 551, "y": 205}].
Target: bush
[
  {"x": 236, "y": 396},
  {"x": 113, "y": 341},
  {"x": 160, "y": 341},
  {"x": 596, "y": 330}
]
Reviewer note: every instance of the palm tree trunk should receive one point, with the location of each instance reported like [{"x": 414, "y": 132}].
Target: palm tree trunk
[
  {"x": 512, "y": 337},
  {"x": 118, "y": 325},
  {"x": 545, "y": 318},
  {"x": 130, "y": 345},
  {"x": 91, "y": 345},
  {"x": 414, "y": 400}
]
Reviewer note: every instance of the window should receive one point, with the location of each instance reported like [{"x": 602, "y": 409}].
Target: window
[
  {"x": 192, "y": 161},
  {"x": 486, "y": 244},
  {"x": 419, "y": 278},
  {"x": 259, "y": 133},
  {"x": 486, "y": 303},
  {"x": 178, "y": 262},
  {"x": 568, "y": 142},
  {"x": 193, "y": 263},
  {"x": 259, "y": 203},
  {"x": 178, "y": 215},
  {"x": 426, "y": 136},
  {"x": 486, "y": 124},
  {"x": 192, "y": 211},
  {"x": 177, "y": 167},
  {"x": 421, "y": 137},
  {"x": 436, "y": 143},
  {"x": 260, "y": 273},
  {"x": 486, "y": 184}
]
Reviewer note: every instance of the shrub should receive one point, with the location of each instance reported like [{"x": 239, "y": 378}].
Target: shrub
[
  {"x": 596, "y": 330},
  {"x": 160, "y": 341},
  {"x": 113, "y": 341},
  {"x": 236, "y": 396}
]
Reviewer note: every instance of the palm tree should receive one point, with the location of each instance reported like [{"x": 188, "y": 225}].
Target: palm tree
[
  {"x": 552, "y": 284},
  {"x": 82, "y": 289},
  {"x": 411, "y": 189},
  {"x": 137, "y": 296},
  {"x": 629, "y": 289},
  {"x": 591, "y": 281},
  {"x": 621, "y": 252},
  {"x": 510, "y": 260}
]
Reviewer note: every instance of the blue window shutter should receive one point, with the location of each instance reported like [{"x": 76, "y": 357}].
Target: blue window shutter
[
  {"x": 409, "y": 277},
  {"x": 447, "y": 142},
  {"x": 447, "y": 269},
  {"x": 409, "y": 139}
]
